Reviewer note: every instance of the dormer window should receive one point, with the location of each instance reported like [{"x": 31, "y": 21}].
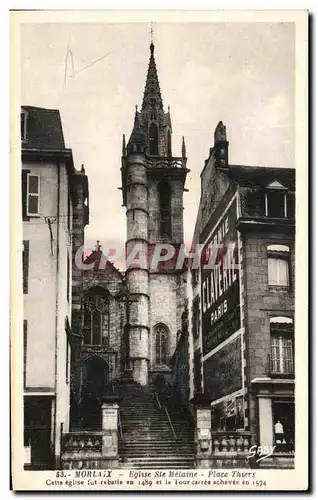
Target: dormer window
[
  {"x": 276, "y": 200},
  {"x": 23, "y": 124}
]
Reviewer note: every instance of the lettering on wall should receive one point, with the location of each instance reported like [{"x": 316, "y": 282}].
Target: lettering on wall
[{"x": 220, "y": 283}]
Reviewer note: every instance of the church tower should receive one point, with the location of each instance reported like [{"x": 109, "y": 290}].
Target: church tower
[{"x": 152, "y": 187}]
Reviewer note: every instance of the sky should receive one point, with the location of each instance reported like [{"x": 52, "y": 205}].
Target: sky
[{"x": 240, "y": 73}]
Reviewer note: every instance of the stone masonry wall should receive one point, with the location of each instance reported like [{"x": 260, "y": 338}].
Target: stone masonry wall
[
  {"x": 261, "y": 303},
  {"x": 165, "y": 307}
]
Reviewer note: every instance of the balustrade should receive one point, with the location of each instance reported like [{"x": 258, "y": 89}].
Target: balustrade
[
  {"x": 160, "y": 162},
  {"x": 230, "y": 443},
  {"x": 82, "y": 450}
]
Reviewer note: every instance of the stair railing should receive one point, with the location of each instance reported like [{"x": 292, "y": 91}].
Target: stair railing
[
  {"x": 167, "y": 414},
  {"x": 169, "y": 419},
  {"x": 157, "y": 399}
]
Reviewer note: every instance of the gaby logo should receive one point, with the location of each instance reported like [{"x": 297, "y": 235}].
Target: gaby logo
[{"x": 261, "y": 452}]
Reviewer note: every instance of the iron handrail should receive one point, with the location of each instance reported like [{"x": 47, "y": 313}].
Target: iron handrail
[
  {"x": 157, "y": 399},
  {"x": 169, "y": 419}
]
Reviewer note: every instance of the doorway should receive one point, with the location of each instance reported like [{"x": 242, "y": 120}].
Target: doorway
[{"x": 96, "y": 382}]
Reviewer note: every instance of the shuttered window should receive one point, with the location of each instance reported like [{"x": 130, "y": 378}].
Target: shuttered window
[{"x": 33, "y": 194}]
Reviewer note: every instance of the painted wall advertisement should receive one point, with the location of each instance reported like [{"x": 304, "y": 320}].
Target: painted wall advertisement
[
  {"x": 220, "y": 283},
  {"x": 222, "y": 372}
]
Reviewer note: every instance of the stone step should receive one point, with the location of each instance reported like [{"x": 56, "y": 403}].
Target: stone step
[
  {"x": 144, "y": 447},
  {"x": 154, "y": 463},
  {"x": 158, "y": 445},
  {"x": 159, "y": 459},
  {"x": 166, "y": 454}
]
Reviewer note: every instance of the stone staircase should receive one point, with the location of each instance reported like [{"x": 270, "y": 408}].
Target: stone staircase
[{"x": 147, "y": 439}]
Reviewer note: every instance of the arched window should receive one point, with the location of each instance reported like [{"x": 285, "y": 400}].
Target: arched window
[
  {"x": 161, "y": 336},
  {"x": 165, "y": 208},
  {"x": 96, "y": 318},
  {"x": 153, "y": 139}
]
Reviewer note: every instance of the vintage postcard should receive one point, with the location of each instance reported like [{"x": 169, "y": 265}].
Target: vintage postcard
[{"x": 159, "y": 171}]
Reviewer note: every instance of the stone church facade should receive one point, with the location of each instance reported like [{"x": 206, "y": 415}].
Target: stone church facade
[{"x": 127, "y": 324}]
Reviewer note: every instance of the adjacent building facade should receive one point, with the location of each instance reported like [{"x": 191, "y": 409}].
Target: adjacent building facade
[
  {"x": 241, "y": 297},
  {"x": 48, "y": 197}
]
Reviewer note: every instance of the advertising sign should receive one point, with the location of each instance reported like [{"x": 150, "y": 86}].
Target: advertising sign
[
  {"x": 220, "y": 283},
  {"x": 222, "y": 372}
]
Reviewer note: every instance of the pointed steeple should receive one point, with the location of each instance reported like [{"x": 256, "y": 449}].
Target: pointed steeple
[
  {"x": 152, "y": 94},
  {"x": 183, "y": 149}
]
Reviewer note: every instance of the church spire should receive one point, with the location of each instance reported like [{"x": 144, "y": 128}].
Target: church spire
[
  {"x": 152, "y": 94},
  {"x": 183, "y": 149}
]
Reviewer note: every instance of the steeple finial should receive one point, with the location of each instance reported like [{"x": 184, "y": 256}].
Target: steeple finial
[
  {"x": 151, "y": 35},
  {"x": 183, "y": 148},
  {"x": 220, "y": 133}
]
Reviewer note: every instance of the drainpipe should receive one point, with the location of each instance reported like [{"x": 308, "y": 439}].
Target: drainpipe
[{"x": 55, "y": 432}]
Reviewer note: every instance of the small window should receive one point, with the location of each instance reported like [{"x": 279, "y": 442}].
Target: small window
[
  {"x": 276, "y": 204},
  {"x": 278, "y": 260},
  {"x": 33, "y": 194},
  {"x": 23, "y": 125}
]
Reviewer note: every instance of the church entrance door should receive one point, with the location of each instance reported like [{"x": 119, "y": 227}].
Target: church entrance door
[{"x": 96, "y": 380}]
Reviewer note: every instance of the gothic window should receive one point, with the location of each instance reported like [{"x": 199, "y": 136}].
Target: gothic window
[
  {"x": 96, "y": 318},
  {"x": 161, "y": 336},
  {"x": 165, "y": 208},
  {"x": 153, "y": 139}
]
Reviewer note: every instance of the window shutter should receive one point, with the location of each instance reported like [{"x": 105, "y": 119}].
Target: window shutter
[
  {"x": 25, "y": 266},
  {"x": 25, "y": 344},
  {"x": 24, "y": 182}
]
